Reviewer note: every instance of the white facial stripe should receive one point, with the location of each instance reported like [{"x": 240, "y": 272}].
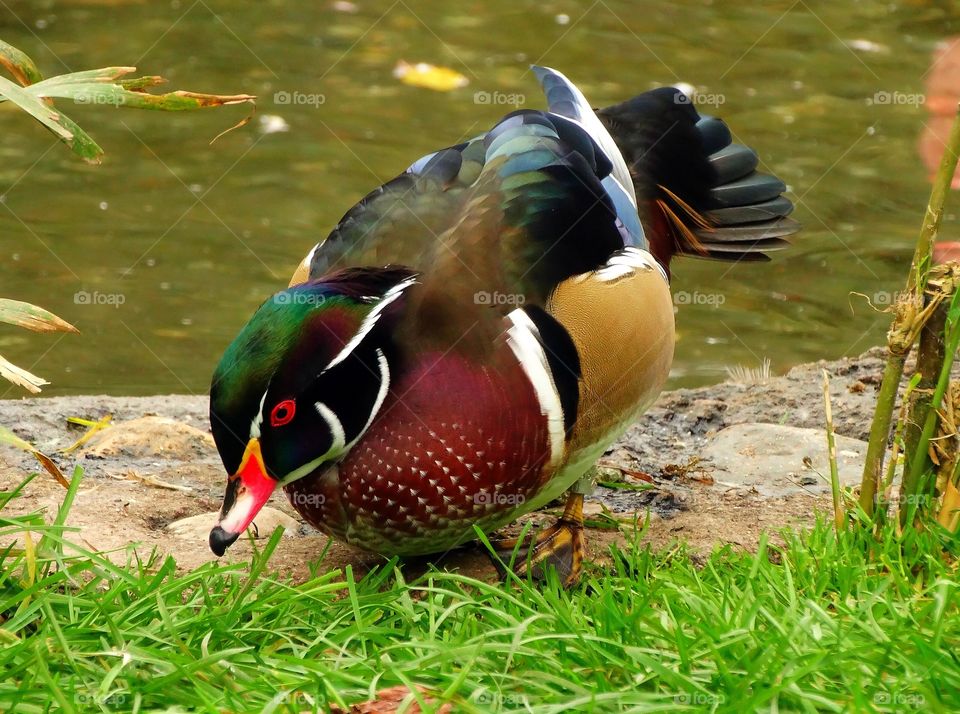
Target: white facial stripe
[
  {"x": 336, "y": 428},
  {"x": 522, "y": 338},
  {"x": 336, "y": 447},
  {"x": 370, "y": 320},
  {"x": 307, "y": 468},
  {"x": 258, "y": 419}
]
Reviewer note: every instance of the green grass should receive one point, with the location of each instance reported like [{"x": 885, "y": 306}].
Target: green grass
[{"x": 819, "y": 624}]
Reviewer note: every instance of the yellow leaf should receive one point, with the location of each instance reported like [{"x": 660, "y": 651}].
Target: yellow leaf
[
  {"x": 428, "y": 76},
  {"x": 950, "y": 508},
  {"x": 92, "y": 428},
  {"x": 23, "y": 314}
]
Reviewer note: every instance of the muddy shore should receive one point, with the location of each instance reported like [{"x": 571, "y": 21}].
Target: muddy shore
[{"x": 712, "y": 465}]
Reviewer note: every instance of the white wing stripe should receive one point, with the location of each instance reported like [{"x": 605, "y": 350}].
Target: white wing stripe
[{"x": 591, "y": 124}]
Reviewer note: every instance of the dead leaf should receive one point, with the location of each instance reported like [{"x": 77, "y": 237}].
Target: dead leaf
[
  {"x": 388, "y": 701},
  {"x": 153, "y": 481},
  {"x": 23, "y": 314},
  {"x": 21, "y": 377},
  {"x": 19, "y": 65},
  {"x": 8, "y": 437},
  {"x": 632, "y": 473}
]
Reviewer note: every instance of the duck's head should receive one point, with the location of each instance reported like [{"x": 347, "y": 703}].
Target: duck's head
[{"x": 300, "y": 384}]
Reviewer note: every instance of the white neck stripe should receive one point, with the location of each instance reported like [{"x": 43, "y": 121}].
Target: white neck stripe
[{"x": 370, "y": 320}]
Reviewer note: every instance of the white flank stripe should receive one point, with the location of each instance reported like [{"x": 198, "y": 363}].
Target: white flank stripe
[
  {"x": 370, "y": 320},
  {"x": 626, "y": 261},
  {"x": 522, "y": 338},
  {"x": 309, "y": 258}
]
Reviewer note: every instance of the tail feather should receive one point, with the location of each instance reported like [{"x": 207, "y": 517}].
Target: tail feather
[
  {"x": 733, "y": 162},
  {"x": 714, "y": 133},
  {"x": 755, "y": 188},
  {"x": 699, "y": 193},
  {"x": 758, "y": 212}
]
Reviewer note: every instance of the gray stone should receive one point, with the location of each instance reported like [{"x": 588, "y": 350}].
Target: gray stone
[
  {"x": 198, "y": 527},
  {"x": 778, "y": 460}
]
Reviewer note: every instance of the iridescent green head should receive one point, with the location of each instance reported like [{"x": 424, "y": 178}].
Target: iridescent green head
[{"x": 300, "y": 384}]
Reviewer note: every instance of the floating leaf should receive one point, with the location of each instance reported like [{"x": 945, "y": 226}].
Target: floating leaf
[
  {"x": 23, "y": 314},
  {"x": 19, "y": 65},
  {"x": 421, "y": 74}
]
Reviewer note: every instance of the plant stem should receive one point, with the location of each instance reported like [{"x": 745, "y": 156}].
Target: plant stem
[
  {"x": 839, "y": 514},
  {"x": 912, "y": 478},
  {"x": 930, "y": 356},
  {"x": 880, "y": 431},
  {"x": 898, "y": 349}
]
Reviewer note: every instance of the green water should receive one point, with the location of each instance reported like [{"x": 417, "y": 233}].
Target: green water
[{"x": 193, "y": 237}]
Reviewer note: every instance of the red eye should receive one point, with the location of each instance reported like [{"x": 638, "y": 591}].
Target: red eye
[{"x": 283, "y": 412}]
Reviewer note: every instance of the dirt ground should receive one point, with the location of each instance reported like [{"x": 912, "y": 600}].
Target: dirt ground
[{"x": 156, "y": 466}]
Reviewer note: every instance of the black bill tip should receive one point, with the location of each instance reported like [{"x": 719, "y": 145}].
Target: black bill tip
[{"x": 220, "y": 540}]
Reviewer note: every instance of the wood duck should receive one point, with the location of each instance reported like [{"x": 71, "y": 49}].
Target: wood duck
[{"x": 474, "y": 333}]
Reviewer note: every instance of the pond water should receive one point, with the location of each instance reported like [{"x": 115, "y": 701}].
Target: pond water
[{"x": 176, "y": 241}]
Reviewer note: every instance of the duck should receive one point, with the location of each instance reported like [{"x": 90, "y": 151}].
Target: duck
[{"x": 475, "y": 333}]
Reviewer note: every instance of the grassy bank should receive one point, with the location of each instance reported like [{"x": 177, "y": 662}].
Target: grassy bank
[{"x": 813, "y": 625}]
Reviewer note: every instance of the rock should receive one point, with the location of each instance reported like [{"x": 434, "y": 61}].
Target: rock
[
  {"x": 198, "y": 527},
  {"x": 150, "y": 437},
  {"x": 778, "y": 460}
]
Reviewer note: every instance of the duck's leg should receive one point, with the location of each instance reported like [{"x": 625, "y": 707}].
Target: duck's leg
[{"x": 561, "y": 545}]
